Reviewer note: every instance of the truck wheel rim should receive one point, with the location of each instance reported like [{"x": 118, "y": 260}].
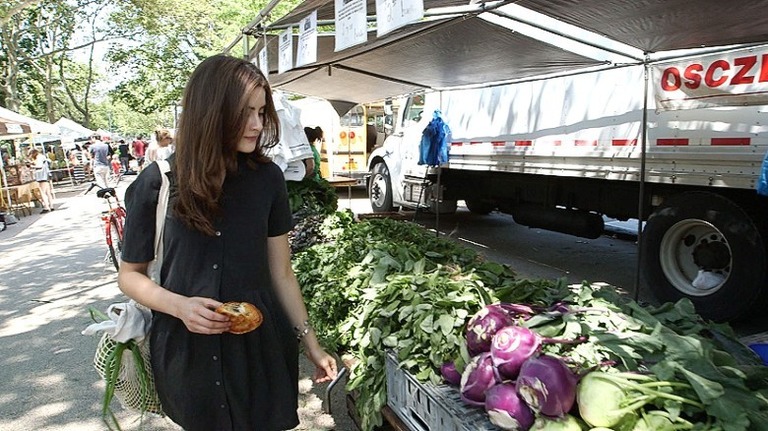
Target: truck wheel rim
[
  {"x": 379, "y": 190},
  {"x": 682, "y": 243}
]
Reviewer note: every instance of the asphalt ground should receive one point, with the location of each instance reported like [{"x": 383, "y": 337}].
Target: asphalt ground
[{"x": 52, "y": 269}]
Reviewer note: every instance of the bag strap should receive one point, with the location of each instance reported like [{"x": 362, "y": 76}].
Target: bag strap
[{"x": 162, "y": 209}]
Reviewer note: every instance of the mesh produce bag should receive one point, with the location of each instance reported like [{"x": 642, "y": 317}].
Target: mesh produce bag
[{"x": 127, "y": 370}]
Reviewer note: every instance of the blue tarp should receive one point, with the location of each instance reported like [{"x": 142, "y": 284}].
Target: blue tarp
[
  {"x": 762, "y": 183},
  {"x": 435, "y": 141}
]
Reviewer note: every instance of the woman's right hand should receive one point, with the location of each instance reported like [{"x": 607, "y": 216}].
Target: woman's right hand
[{"x": 199, "y": 316}]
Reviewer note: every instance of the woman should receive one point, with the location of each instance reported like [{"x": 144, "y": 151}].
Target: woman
[
  {"x": 43, "y": 178},
  {"x": 163, "y": 146},
  {"x": 225, "y": 239},
  {"x": 315, "y": 138},
  {"x": 76, "y": 163}
]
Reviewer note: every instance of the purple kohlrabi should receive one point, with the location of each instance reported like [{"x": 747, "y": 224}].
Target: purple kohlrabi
[
  {"x": 547, "y": 385},
  {"x": 511, "y": 347},
  {"x": 506, "y": 409},
  {"x": 484, "y": 324},
  {"x": 479, "y": 375},
  {"x": 449, "y": 373}
]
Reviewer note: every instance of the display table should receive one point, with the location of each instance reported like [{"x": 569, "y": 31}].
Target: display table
[
  {"x": 21, "y": 196},
  {"x": 344, "y": 182}
]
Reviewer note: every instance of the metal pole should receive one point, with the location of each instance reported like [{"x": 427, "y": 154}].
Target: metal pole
[
  {"x": 6, "y": 185},
  {"x": 641, "y": 192}
]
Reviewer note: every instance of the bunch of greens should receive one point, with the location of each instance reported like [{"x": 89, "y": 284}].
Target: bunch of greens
[
  {"x": 655, "y": 364},
  {"x": 109, "y": 364},
  {"x": 311, "y": 201},
  {"x": 380, "y": 284},
  {"x": 386, "y": 284},
  {"x": 312, "y": 196}
]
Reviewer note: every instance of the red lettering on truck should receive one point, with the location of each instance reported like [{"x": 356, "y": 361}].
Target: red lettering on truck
[
  {"x": 709, "y": 78},
  {"x": 692, "y": 75},
  {"x": 746, "y": 63},
  {"x": 720, "y": 72}
]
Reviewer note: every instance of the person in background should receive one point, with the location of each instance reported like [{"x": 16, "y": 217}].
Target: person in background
[
  {"x": 125, "y": 155},
  {"x": 315, "y": 137},
  {"x": 115, "y": 164},
  {"x": 225, "y": 240},
  {"x": 51, "y": 154},
  {"x": 43, "y": 177},
  {"x": 101, "y": 158},
  {"x": 76, "y": 163},
  {"x": 138, "y": 148},
  {"x": 163, "y": 146}
]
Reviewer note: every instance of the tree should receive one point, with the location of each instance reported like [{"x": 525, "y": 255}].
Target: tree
[
  {"x": 178, "y": 34},
  {"x": 154, "y": 46},
  {"x": 9, "y": 11},
  {"x": 37, "y": 49}
]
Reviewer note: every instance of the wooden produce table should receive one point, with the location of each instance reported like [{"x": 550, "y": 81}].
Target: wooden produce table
[
  {"x": 347, "y": 182},
  {"x": 21, "y": 196}
]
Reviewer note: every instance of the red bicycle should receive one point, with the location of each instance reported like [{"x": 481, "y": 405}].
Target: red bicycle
[{"x": 114, "y": 219}]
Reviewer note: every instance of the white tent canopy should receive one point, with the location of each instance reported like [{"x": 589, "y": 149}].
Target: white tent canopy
[
  {"x": 36, "y": 126},
  {"x": 73, "y": 129}
]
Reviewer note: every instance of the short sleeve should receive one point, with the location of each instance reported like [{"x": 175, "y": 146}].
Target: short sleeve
[
  {"x": 280, "y": 218},
  {"x": 141, "y": 206}
]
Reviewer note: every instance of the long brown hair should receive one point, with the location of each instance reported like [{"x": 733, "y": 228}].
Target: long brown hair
[{"x": 213, "y": 119}]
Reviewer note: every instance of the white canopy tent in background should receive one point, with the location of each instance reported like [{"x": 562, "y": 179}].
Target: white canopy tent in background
[
  {"x": 40, "y": 132},
  {"x": 36, "y": 127},
  {"x": 73, "y": 130}
]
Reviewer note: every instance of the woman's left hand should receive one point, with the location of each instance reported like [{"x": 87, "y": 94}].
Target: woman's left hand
[{"x": 325, "y": 365}]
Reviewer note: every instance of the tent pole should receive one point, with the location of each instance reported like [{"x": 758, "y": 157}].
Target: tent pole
[
  {"x": 6, "y": 187},
  {"x": 641, "y": 190},
  {"x": 438, "y": 201}
]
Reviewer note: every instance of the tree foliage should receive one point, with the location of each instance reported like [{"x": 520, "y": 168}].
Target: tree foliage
[{"x": 51, "y": 65}]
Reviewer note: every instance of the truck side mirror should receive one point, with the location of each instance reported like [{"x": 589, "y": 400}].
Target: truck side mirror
[{"x": 388, "y": 107}]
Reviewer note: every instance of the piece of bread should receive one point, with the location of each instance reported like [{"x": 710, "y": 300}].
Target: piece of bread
[{"x": 245, "y": 317}]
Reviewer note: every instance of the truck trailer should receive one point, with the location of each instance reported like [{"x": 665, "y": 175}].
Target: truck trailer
[{"x": 677, "y": 144}]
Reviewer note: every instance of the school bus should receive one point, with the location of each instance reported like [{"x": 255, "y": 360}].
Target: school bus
[{"x": 345, "y": 153}]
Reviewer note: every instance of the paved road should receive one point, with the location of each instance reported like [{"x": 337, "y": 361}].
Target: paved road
[{"x": 52, "y": 269}]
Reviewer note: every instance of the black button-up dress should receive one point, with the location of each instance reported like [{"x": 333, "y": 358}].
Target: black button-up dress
[{"x": 221, "y": 382}]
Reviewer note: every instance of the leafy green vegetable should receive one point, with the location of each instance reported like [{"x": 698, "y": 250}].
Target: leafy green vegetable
[{"x": 381, "y": 284}]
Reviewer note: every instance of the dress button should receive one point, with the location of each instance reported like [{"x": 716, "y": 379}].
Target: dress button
[
  {"x": 218, "y": 233},
  {"x": 223, "y": 406},
  {"x": 215, "y": 358},
  {"x": 215, "y": 266},
  {"x": 218, "y": 383}
]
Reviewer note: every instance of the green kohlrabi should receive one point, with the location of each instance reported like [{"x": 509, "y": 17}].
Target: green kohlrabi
[{"x": 607, "y": 399}]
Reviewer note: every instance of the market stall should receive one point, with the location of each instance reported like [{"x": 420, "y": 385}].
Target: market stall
[
  {"x": 9, "y": 131},
  {"x": 21, "y": 132}
]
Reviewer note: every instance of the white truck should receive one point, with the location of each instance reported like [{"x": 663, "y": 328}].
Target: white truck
[{"x": 683, "y": 153}]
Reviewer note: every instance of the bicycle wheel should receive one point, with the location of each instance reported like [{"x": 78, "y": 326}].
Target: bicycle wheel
[{"x": 115, "y": 243}]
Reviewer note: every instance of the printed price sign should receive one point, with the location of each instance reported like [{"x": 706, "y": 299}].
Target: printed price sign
[
  {"x": 393, "y": 14},
  {"x": 285, "y": 59},
  {"x": 307, "y": 50},
  {"x": 351, "y": 23},
  {"x": 263, "y": 64}
]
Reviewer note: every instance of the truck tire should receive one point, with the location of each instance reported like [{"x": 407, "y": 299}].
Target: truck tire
[
  {"x": 480, "y": 206},
  {"x": 704, "y": 231},
  {"x": 380, "y": 189}
]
